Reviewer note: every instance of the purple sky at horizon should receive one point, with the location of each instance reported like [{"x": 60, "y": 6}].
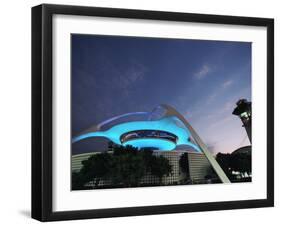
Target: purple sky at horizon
[{"x": 203, "y": 80}]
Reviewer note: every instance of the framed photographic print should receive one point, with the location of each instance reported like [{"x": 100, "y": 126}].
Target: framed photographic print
[{"x": 145, "y": 112}]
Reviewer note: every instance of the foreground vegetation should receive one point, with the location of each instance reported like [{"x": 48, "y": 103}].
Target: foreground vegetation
[
  {"x": 240, "y": 162},
  {"x": 123, "y": 168}
]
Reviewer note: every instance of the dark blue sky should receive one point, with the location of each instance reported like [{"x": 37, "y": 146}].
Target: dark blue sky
[{"x": 112, "y": 75}]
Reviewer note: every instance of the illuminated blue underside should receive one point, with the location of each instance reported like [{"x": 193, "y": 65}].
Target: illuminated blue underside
[
  {"x": 168, "y": 124},
  {"x": 159, "y": 144}
]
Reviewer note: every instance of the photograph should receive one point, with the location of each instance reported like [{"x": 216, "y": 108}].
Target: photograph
[
  {"x": 141, "y": 112},
  {"x": 149, "y": 111}
]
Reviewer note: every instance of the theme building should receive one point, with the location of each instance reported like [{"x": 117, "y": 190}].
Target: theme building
[{"x": 164, "y": 129}]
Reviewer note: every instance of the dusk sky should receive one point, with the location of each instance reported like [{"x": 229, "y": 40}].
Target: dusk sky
[{"x": 203, "y": 80}]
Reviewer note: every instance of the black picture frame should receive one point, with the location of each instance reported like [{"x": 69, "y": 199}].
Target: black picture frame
[{"x": 42, "y": 107}]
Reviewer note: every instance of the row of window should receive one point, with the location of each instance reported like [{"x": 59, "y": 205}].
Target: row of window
[{"x": 148, "y": 134}]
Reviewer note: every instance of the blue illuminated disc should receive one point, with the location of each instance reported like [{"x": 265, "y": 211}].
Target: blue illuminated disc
[{"x": 169, "y": 124}]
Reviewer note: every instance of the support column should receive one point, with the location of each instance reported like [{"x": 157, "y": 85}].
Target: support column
[{"x": 170, "y": 112}]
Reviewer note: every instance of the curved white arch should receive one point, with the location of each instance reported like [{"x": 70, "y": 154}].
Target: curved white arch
[
  {"x": 171, "y": 111},
  {"x": 97, "y": 127}
]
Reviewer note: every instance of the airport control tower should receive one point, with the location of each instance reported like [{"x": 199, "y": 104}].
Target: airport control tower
[{"x": 244, "y": 111}]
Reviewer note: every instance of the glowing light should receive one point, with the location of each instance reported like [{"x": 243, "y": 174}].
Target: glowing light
[
  {"x": 169, "y": 124},
  {"x": 162, "y": 145}
]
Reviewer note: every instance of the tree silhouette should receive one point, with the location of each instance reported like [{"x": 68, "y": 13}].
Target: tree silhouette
[
  {"x": 97, "y": 167},
  {"x": 183, "y": 162},
  {"x": 148, "y": 159},
  {"x": 224, "y": 161},
  {"x": 160, "y": 167},
  {"x": 124, "y": 167},
  {"x": 78, "y": 181},
  {"x": 128, "y": 166},
  {"x": 239, "y": 162}
]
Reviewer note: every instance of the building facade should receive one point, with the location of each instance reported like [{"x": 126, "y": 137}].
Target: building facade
[{"x": 199, "y": 168}]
